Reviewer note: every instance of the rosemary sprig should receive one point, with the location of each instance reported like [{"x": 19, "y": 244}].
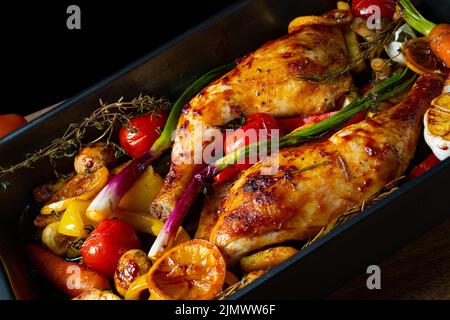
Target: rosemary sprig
[
  {"x": 369, "y": 49},
  {"x": 105, "y": 119}
]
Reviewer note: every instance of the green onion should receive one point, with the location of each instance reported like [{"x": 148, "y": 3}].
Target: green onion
[
  {"x": 413, "y": 17},
  {"x": 164, "y": 141}
]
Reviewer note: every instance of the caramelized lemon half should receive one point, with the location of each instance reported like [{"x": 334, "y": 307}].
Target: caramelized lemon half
[{"x": 194, "y": 270}]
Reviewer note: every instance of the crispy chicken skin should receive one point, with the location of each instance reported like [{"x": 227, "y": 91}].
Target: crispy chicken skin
[
  {"x": 266, "y": 80},
  {"x": 318, "y": 182},
  {"x": 209, "y": 214}
]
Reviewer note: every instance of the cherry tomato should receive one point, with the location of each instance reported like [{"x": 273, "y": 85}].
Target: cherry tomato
[
  {"x": 424, "y": 166},
  {"x": 10, "y": 122},
  {"x": 239, "y": 139},
  {"x": 226, "y": 174},
  {"x": 103, "y": 248},
  {"x": 259, "y": 122},
  {"x": 366, "y": 88},
  {"x": 360, "y": 8},
  {"x": 290, "y": 124},
  {"x": 357, "y": 118},
  {"x": 143, "y": 132}
]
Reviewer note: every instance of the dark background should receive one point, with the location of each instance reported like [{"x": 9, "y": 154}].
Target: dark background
[{"x": 44, "y": 62}]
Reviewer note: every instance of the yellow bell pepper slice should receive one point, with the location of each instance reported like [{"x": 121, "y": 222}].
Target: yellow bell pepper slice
[
  {"x": 136, "y": 288},
  {"x": 80, "y": 187},
  {"x": 142, "y": 192},
  {"x": 72, "y": 222},
  {"x": 147, "y": 223},
  {"x": 155, "y": 296}
]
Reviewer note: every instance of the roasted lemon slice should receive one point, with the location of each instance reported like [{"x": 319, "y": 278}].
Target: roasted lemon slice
[
  {"x": 437, "y": 126},
  {"x": 80, "y": 187},
  {"x": 332, "y": 18},
  {"x": 194, "y": 270},
  {"x": 420, "y": 58}
]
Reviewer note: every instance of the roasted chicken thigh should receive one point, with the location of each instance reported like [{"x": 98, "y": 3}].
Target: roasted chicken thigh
[
  {"x": 270, "y": 80},
  {"x": 318, "y": 182}
]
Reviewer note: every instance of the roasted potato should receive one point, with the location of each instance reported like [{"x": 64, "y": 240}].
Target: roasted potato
[
  {"x": 266, "y": 259},
  {"x": 54, "y": 241},
  {"x": 43, "y": 220},
  {"x": 90, "y": 159},
  {"x": 250, "y": 277},
  {"x": 43, "y": 193},
  {"x": 131, "y": 265}
]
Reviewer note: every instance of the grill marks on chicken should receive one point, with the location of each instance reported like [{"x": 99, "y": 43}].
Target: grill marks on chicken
[
  {"x": 266, "y": 80},
  {"x": 318, "y": 182}
]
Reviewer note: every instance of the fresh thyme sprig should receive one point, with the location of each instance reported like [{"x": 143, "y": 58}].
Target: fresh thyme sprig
[
  {"x": 105, "y": 119},
  {"x": 369, "y": 49}
]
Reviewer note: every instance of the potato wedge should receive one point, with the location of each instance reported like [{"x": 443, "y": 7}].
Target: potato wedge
[{"x": 267, "y": 259}]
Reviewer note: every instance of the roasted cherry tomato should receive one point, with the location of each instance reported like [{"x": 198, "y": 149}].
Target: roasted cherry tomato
[
  {"x": 290, "y": 124},
  {"x": 424, "y": 166},
  {"x": 226, "y": 174},
  {"x": 366, "y": 88},
  {"x": 10, "y": 122},
  {"x": 240, "y": 138},
  {"x": 105, "y": 245},
  {"x": 357, "y": 118},
  {"x": 360, "y": 8},
  {"x": 143, "y": 132}
]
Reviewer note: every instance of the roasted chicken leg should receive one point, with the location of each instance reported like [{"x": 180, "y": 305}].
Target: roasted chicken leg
[
  {"x": 318, "y": 182},
  {"x": 267, "y": 80}
]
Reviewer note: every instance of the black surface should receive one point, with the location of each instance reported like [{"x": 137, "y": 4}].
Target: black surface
[{"x": 46, "y": 62}]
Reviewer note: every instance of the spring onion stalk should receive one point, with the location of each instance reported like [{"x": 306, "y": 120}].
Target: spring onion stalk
[
  {"x": 109, "y": 198},
  {"x": 382, "y": 91},
  {"x": 413, "y": 17}
]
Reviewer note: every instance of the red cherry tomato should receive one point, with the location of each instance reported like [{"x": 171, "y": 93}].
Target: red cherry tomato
[
  {"x": 10, "y": 122},
  {"x": 366, "y": 88},
  {"x": 239, "y": 139},
  {"x": 360, "y": 8},
  {"x": 357, "y": 118},
  {"x": 290, "y": 124},
  {"x": 143, "y": 133},
  {"x": 258, "y": 122},
  {"x": 103, "y": 248},
  {"x": 424, "y": 166}
]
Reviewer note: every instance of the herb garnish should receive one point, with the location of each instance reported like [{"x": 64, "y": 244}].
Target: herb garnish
[{"x": 105, "y": 119}]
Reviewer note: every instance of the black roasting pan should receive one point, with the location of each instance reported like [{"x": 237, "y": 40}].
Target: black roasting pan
[{"x": 314, "y": 272}]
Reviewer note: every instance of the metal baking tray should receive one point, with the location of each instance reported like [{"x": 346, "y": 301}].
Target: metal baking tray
[{"x": 312, "y": 273}]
